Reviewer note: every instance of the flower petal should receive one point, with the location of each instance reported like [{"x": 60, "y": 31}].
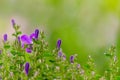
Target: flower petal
[
  {"x": 28, "y": 50},
  {"x": 26, "y": 40},
  {"x": 32, "y": 36}
]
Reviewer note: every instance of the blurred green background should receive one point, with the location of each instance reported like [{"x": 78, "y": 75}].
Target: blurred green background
[{"x": 86, "y": 27}]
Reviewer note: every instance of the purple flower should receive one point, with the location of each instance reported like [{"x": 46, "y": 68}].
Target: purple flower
[
  {"x": 26, "y": 39},
  {"x": 5, "y": 37},
  {"x": 27, "y": 66},
  {"x": 58, "y": 44},
  {"x": 60, "y": 54},
  {"x": 36, "y": 34},
  {"x": 13, "y": 22},
  {"x": 28, "y": 50},
  {"x": 32, "y": 36},
  {"x": 72, "y": 59}
]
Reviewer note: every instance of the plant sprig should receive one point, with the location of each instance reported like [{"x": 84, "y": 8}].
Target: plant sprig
[{"x": 28, "y": 58}]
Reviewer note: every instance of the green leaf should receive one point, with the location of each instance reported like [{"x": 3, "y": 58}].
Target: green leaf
[
  {"x": 36, "y": 41},
  {"x": 19, "y": 32},
  {"x": 19, "y": 53},
  {"x": 109, "y": 70},
  {"x": 14, "y": 34},
  {"x": 52, "y": 61},
  {"x": 87, "y": 66},
  {"x": 12, "y": 67},
  {"x": 6, "y": 46},
  {"x": 107, "y": 54},
  {"x": 14, "y": 52}
]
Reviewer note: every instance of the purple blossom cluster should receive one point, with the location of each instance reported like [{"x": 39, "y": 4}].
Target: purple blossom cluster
[
  {"x": 24, "y": 39},
  {"x": 28, "y": 40}
]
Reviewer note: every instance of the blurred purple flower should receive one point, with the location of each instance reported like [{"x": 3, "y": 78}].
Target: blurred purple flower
[
  {"x": 26, "y": 39},
  {"x": 27, "y": 66},
  {"x": 13, "y": 22},
  {"x": 32, "y": 36},
  {"x": 5, "y": 37},
  {"x": 60, "y": 54},
  {"x": 28, "y": 50},
  {"x": 36, "y": 33},
  {"x": 72, "y": 59},
  {"x": 58, "y": 44}
]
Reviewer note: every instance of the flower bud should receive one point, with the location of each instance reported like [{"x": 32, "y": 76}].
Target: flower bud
[
  {"x": 36, "y": 34},
  {"x": 5, "y": 37},
  {"x": 28, "y": 50},
  {"x": 71, "y": 59},
  {"x": 58, "y": 44},
  {"x": 27, "y": 66},
  {"x": 13, "y": 22}
]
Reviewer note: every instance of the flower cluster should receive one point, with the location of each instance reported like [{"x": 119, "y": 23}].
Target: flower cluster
[{"x": 29, "y": 58}]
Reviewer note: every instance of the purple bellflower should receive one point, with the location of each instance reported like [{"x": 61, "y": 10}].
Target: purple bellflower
[
  {"x": 26, "y": 39},
  {"x": 71, "y": 59},
  {"x": 36, "y": 34},
  {"x": 5, "y": 37},
  {"x": 13, "y": 22},
  {"x": 58, "y": 44},
  {"x": 32, "y": 36},
  {"x": 27, "y": 66}
]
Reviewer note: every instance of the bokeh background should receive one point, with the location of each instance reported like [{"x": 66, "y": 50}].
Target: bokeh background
[{"x": 86, "y": 27}]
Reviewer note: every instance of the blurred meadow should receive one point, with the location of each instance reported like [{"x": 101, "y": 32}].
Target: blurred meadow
[{"x": 86, "y": 27}]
